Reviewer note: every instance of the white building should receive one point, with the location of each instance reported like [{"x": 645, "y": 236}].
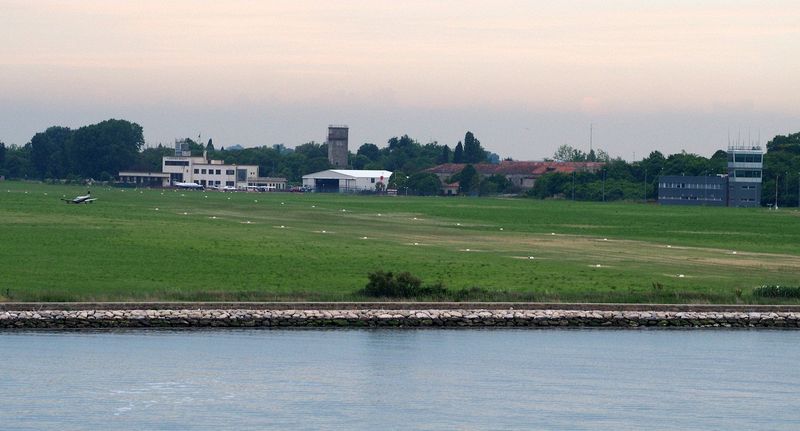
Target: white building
[
  {"x": 345, "y": 180},
  {"x": 208, "y": 173},
  {"x": 201, "y": 170}
]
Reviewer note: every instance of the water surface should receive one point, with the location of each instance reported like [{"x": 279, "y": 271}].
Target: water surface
[{"x": 400, "y": 379}]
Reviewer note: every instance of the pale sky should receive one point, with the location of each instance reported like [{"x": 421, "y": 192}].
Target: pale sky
[{"x": 524, "y": 76}]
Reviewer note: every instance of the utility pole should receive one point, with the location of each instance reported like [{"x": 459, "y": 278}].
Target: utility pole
[{"x": 776, "y": 190}]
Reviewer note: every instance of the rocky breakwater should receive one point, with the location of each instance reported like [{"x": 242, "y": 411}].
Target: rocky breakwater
[{"x": 390, "y": 318}]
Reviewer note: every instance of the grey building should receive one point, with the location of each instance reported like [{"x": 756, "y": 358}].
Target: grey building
[
  {"x": 337, "y": 146},
  {"x": 693, "y": 190},
  {"x": 745, "y": 164},
  {"x": 741, "y": 187}
]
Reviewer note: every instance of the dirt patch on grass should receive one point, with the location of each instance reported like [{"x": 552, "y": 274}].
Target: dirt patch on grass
[{"x": 582, "y": 248}]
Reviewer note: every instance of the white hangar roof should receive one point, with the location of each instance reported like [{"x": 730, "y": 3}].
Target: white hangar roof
[{"x": 348, "y": 174}]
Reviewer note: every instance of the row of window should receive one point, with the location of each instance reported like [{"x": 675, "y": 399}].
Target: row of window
[
  {"x": 744, "y": 158},
  {"x": 210, "y": 183},
  {"x": 712, "y": 186},
  {"x": 131, "y": 179},
  {"x": 744, "y": 173},
  {"x": 214, "y": 171},
  {"x": 690, "y": 198},
  {"x": 176, "y": 162}
]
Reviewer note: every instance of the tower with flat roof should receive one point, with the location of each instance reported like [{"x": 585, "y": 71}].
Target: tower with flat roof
[
  {"x": 337, "y": 146},
  {"x": 745, "y": 164}
]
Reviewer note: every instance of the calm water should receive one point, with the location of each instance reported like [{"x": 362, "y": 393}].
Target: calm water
[{"x": 400, "y": 379}]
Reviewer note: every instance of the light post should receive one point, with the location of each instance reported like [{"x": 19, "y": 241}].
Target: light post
[
  {"x": 776, "y": 190},
  {"x": 407, "y": 185}
]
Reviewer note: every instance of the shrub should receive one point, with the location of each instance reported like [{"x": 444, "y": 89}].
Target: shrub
[
  {"x": 385, "y": 284},
  {"x": 775, "y": 291},
  {"x": 404, "y": 285}
]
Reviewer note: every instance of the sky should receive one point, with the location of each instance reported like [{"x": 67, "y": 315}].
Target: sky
[{"x": 524, "y": 76}]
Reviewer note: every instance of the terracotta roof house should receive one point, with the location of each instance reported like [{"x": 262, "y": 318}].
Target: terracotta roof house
[{"x": 521, "y": 174}]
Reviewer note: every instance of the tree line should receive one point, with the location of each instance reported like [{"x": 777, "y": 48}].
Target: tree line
[
  {"x": 97, "y": 151},
  {"x": 101, "y": 150}
]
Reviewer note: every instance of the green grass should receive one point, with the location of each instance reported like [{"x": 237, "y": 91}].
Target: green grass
[{"x": 122, "y": 248}]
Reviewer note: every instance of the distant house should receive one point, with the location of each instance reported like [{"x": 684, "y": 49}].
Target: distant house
[
  {"x": 450, "y": 189},
  {"x": 347, "y": 180},
  {"x": 522, "y": 175}
]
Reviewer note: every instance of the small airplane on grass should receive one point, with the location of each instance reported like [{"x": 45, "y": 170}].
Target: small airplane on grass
[{"x": 85, "y": 199}]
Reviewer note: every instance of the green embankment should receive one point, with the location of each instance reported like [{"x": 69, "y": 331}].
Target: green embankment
[{"x": 185, "y": 245}]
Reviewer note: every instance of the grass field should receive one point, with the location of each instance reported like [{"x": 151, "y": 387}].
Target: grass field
[{"x": 187, "y": 245}]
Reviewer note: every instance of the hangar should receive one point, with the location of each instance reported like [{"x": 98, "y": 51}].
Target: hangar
[{"x": 347, "y": 180}]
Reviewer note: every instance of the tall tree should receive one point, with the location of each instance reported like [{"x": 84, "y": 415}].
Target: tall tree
[
  {"x": 17, "y": 162},
  {"x": 210, "y": 145},
  {"x": 50, "y": 152},
  {"x": 473, "y": 152},
  {"x": 458, "y": 153},
  {"x": 370, "y": 151},
  {"x": 101, "y": 150},
  {"x": 444, "y": 157},
  {"x": 782, "y": 170}
]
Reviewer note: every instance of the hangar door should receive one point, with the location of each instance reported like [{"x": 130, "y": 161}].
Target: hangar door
[{"x": 326, "y": 185}]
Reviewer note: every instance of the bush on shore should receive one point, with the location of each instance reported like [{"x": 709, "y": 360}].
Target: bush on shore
[{"x": 404, "y": 285}]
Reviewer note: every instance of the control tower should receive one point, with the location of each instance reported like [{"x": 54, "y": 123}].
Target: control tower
[
  {"x": 745, "y": 164},
  {"x": 337, "y": 146}
]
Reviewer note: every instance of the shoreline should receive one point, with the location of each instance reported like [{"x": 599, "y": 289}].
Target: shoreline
[{"x": 391, "y": 315}]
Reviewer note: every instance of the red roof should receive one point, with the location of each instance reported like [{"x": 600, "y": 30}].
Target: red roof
[{"x": 508, "y": 167}]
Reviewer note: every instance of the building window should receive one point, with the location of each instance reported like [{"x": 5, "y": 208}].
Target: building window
[
  {"x": 219, "y": 171},
  {"x": 229, "y": 183},
  {"x": 197, "y": 171},
  {"x": 373, "y": 180},
  {"x": 747, "y": 158},
  {"x": 229, "y": 172},
  {"x": 176, "y": 163},
  {"x": 741, "y": 173}
]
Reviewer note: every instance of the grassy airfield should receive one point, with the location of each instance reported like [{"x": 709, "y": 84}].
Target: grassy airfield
[{"x": 166, "y": 245}]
